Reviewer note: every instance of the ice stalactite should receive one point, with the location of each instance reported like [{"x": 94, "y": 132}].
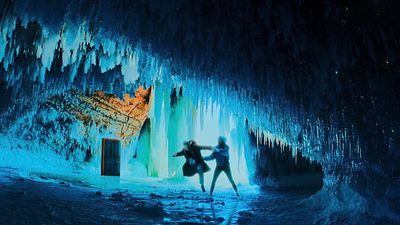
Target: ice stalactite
[{"x": 158, "y": 162}]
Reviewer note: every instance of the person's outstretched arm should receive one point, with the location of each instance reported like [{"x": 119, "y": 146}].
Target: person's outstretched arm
[
  {"x": 210, "y": 157},
  {"x": 180, "y": 153},
  {"x": 202, "y": 147}
]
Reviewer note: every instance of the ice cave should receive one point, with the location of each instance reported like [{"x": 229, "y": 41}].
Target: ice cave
[{"x": 126, "y": 112}]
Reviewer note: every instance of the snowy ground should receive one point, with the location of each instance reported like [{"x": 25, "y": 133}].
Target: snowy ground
[
  {"x": 38, "y": 198},
  {"x": 51, "y": 199}
]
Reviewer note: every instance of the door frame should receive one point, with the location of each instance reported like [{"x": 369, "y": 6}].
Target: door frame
[{"x": 103, "y": 149}]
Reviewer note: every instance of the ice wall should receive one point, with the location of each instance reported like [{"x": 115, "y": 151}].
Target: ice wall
[{"x": 203, "y": 121}]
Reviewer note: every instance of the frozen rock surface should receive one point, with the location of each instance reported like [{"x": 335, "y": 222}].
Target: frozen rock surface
[{"x": 34, "y": 201}]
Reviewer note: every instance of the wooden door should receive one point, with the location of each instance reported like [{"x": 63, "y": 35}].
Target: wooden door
[{"x": 110, "y": 157}]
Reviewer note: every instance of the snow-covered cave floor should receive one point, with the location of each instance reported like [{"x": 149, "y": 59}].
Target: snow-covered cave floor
[
  {"x": 38, "y": 198},
  {"x": 52, "y": 199}
]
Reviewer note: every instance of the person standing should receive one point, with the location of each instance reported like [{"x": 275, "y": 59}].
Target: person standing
[
  {"x": 221, "y": 156},
  {"x": 194, "y": 161}
]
